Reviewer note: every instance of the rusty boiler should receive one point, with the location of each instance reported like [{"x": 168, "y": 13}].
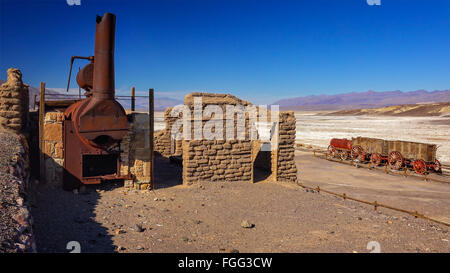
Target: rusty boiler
[{"x": 94, "y": 126}]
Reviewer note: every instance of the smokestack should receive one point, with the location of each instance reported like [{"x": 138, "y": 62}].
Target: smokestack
[{"x": 103, "y": 84}]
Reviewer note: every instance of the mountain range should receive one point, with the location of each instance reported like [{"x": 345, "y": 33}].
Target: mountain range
[
  {"x": 343, "y": 101},
  {"x": 356, "y": 100}
]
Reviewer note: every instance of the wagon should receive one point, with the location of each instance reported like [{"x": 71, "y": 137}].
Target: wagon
[{"x": 396, "y": 154}]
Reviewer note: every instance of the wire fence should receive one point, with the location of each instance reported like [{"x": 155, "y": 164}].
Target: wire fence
[{"x": 133, "y": 102}]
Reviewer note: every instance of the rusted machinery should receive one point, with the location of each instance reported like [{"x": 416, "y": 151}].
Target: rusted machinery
[
  {"x": 94, "y": 127},
  {"x": 396, "y": 154}
]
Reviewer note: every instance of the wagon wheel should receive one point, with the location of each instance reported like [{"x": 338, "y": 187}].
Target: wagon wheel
[
  {"x": 358, "y": 153},
  {"x": 375, "y": 159},
  {"x": 395, "y": 160},
  {"x": 437, "y": 166},
  {"x": 420, "y": 166},
  {"x": 332, "y": 151},
  {"x": 343, "y": 155}
]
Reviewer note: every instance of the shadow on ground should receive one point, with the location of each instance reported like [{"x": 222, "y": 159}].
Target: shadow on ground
[
  {"x": 62, "y": 216},
  {"x": 168, "y": 173}
]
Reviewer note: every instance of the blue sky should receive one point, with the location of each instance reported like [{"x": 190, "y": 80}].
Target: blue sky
[{"x": 258, "y": 50}]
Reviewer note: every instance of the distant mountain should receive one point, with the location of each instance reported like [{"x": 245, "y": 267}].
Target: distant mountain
[
  {"x": 356, "y": 100},
  {"x": 441, "y": 109}
]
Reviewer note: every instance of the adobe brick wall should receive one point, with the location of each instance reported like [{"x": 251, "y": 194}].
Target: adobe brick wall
[
  {"x": 164, "y": 144},
  {"x": 230, "y": 160},
  {"x": 53, "y": 147},
  {"x": 286, "y": 168},
  {"x": 14, "y": 102},
  {"x": 135, "y": 158}
]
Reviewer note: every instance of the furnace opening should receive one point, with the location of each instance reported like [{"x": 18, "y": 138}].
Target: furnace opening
[{"x": 98, "y": 165}]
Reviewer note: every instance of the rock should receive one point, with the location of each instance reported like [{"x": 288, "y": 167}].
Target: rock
[
  {"x": 139, "y": 248},
  {"x": 139, "y": 228},
  {"x": 185, "y": 239},
  {"x": 233, "y": 250},
  {"x": 119, "y": 231},
  {"x": 247, "y": 224}
]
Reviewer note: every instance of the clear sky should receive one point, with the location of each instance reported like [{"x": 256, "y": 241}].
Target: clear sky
[{"x": 258, "y": 50}]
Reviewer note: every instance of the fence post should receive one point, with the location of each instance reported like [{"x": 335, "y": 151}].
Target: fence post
[
  {"x": 151, "y": 115},
  {"x": 41, "y": 133}
]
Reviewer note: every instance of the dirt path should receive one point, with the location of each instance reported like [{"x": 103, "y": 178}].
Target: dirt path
[
  {"x": 207, "y": 218},
  {"x": 411, "y": 193}
]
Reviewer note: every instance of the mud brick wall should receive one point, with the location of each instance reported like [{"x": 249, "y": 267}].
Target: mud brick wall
[
  {"x": 285, "y": 160},
  {"x": 53, "y": 147},
  {"x": 135, "y": 156},
  {"x": 217, "y": 160},
  {"x": 14, "y": 102},
  {"x": 164, "y": 144}
]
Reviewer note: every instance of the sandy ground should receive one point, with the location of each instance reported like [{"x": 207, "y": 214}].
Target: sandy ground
[
  {"x": 207, "y": 217},
  {"x": 412, "y": 192}
]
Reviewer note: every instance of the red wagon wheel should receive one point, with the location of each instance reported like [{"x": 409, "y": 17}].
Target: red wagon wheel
[
  {"x": 420, "y": 166},
  {"x": 358, "y": 153},
  {"x": 437, "y": 166},
  {"x": 395, "y": 160},
  {"x": 343, "y": 155},
  {"x": 332, "y": 151},
  {"x": 375, "y": 159}
]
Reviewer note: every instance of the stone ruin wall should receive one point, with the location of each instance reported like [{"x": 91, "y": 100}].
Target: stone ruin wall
[
  {"x": 135, "y": 158},
  {"x": 53, "y": 147},
  {"x": 163, "y": 142},
  {"x": 229, "y": 160},
  {"x": 217, "y": 160},
  {"x": 203, "y": 160},
  {"x": 14, "y": 102},
  {"x": 285, "y": 158},
  {"x": 17, "y": 231}
]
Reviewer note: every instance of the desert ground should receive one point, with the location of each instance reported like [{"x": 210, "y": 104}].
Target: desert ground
[{"x": 282, "y": 217}]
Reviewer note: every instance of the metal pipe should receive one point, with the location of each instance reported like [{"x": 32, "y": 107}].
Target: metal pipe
[{"x": 104, "y": 87}]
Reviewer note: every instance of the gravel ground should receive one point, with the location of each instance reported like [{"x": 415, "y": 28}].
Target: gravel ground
[
  {"x": 208, "y": 217},
  {"x": 9, "y": 193}
]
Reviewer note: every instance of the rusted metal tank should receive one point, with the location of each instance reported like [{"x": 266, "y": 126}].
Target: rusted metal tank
[
  {"x": 341, "y": 143},
  {"x": 93, "y": 127}
]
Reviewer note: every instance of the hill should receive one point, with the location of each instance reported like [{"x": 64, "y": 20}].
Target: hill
[
  {"x": 430, "y": 109},
  {"x": 358, "y": 100}
]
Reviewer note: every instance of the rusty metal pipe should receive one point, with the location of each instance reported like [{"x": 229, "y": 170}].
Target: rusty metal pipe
[{"x": 104, "y": 86}]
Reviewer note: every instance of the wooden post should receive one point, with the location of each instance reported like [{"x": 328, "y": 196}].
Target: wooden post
[
  {"x": 151, "y": 115},
  {"x": 41, "y": 133},
  {"x": 133, "y": 99}
]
